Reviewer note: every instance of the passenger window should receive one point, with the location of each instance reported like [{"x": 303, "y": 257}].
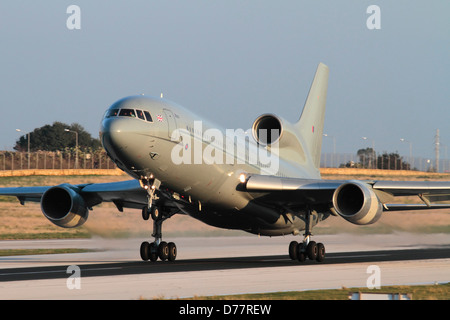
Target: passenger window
[
  {"x": 148, "y": 116},
  {"x": 127, "y": 113},
  {"x": 111, "y": 113},
  {"x": 140, "y": 114}
]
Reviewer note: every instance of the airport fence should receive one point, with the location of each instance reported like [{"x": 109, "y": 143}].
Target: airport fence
[
  {"x": 351, "y": 160},
  {"x": 11, "y": 160}
]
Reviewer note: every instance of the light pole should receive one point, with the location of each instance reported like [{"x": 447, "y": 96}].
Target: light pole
[
  {"x": 76, "y": 146},
  {"x": 334, "y": 147},
  {"x": 28, "y": 140}
]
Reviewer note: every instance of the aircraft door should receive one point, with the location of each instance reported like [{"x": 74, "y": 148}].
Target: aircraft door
[{"x": 171, "y": 122}]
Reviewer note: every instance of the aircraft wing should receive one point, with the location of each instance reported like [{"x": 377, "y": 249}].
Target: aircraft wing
[
  {"x": 24, "y": 194},
  {"x": 296, "y": 191},
  {"x": 126, "y": 194},
  {"x": 67, "y": 205}
]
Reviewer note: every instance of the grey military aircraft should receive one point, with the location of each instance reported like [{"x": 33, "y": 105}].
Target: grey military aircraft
[{"x": 265, "y": 182}]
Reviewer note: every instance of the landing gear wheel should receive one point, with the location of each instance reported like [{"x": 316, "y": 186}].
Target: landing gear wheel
[
  {"x": 172, "y": 251},
  {"x": 145, "y": 250},
  {"x": 293, "y": 250},
  {"x": 320, "y": 252},
  {"x": 145, "y": 213},
  {"x": 301, "y": 255},
  {"x": 163, "y": 251},
  {"x": 153, "y": 252},
  {"x": 156, "y": 215},
  {"x": 311, "y": 250}
]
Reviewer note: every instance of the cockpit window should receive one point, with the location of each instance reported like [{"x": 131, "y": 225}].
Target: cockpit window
[
  {"x": 140, "y": 114},
  {"x": 127, "y": 113},
  {"x": 148, "y": 116},
  {"x": 111, "y": 113}
]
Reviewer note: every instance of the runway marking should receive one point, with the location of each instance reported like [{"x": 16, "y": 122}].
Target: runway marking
[
  {"x": 31, "y": 272},
  {"x": 56, "y": 271},
  {"x": 361, "y": 256}
]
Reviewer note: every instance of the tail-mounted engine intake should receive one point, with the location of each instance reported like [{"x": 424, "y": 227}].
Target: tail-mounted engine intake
[
  {"x": 267, "y": 129},
  {"x": 356, "y": 202},
  {"x": 64, "y": 206}
]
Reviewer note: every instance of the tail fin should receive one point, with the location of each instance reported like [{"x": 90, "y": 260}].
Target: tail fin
[{"x": 310, "y": 124}]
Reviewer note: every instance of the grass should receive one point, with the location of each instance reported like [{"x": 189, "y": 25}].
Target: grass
[
  {"x": 45, "y": 235},
  {"x": 23, "y": 181},
  {"x": 419, "y": 292}
]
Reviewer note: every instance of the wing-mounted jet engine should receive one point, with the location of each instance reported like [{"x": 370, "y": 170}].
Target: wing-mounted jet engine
[
  {"x": 357, "y": 203},
  {"x": 64, "y": 206}
]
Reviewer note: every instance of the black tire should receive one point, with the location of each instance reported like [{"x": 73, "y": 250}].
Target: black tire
[
  {"x": 172, "y": 251},
  {"x": 145, "y": 251},
  {"x": 293, "y": 250},
  {"x": 311, "y": 250},
  {"x": 145, "y": 213},
  {"x": 163, "y": 251},
  {"x": 301, "y": 255},
  {"x": 153, "y": 252},
  {"x": 156, "y": 214},
  {"x": 320, "y": 252}
]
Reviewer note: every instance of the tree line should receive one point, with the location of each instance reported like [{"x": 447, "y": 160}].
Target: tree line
[
  {"x": 55, "y": 147},
  {"x": 369, "y": 159},
  {"x": 57, "y": 137}
]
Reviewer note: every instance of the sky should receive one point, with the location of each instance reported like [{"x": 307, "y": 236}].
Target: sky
[{"x": 232, "y": 61}]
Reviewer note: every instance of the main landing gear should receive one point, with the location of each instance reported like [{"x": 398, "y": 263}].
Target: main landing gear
[
  {"x": 307, "y": 248},
  {"x": 158, "y": 248}
]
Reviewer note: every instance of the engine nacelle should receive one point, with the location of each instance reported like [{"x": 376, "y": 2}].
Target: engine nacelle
[
  {"x": 267, "y": 129},
  {"x": 64, "y": 206},
  {"x": 357, "y": 203}
]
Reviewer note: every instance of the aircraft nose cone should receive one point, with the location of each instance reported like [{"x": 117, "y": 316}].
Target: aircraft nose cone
[{"x": 113, "y": 138}]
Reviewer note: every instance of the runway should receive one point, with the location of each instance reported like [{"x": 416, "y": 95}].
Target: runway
[{"x": 219, "y": 266}]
